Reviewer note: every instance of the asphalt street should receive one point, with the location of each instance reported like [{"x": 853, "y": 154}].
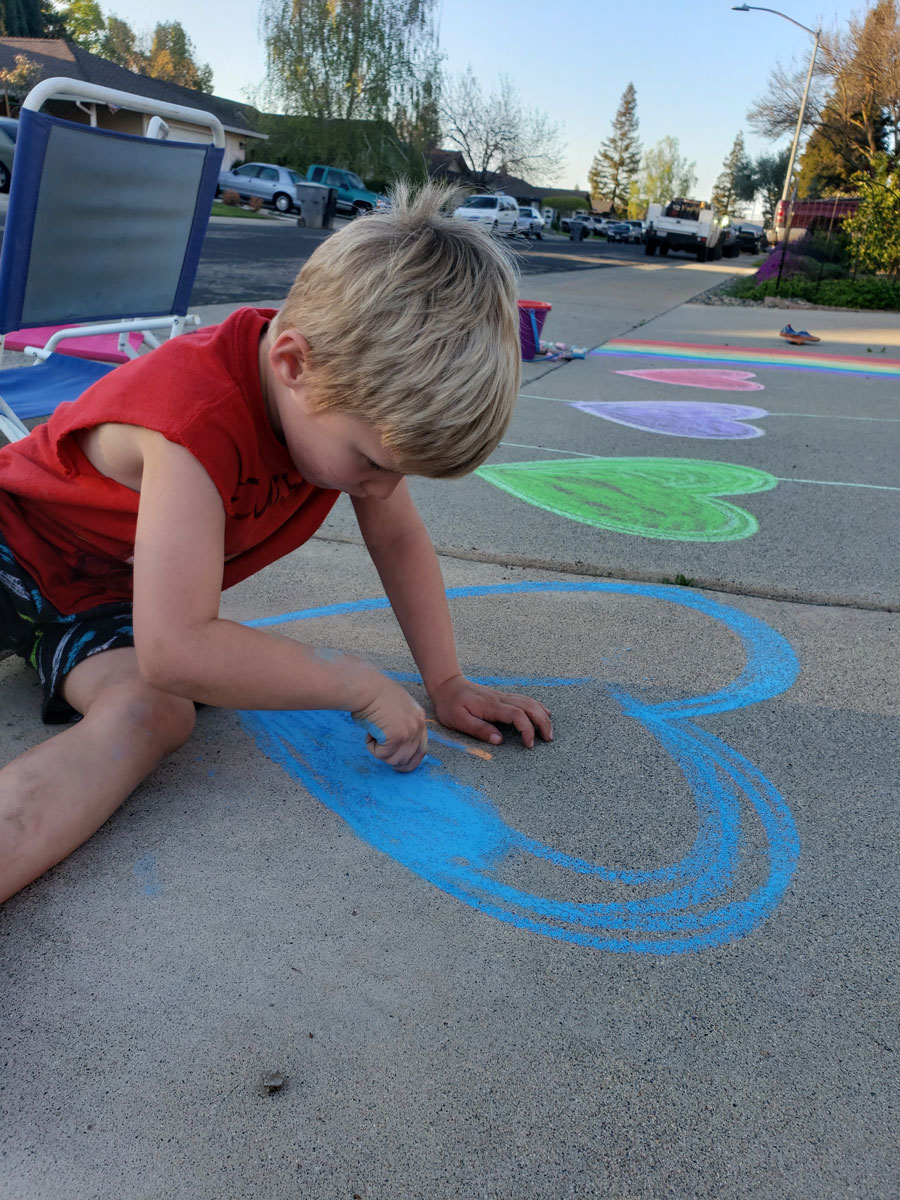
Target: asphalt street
[
  {"x": 655, "y": 958},
  {"x": 242, "y": 257}
]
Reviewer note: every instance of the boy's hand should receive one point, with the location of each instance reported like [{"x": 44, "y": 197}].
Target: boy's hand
[
  {"x": 394, "y": 724},
  {"x": 470, "y": 708}
]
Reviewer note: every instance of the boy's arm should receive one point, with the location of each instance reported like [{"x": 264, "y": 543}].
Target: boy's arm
[
  {"x": 403, "y": 554},
  {"x": 185, "y": 648}
]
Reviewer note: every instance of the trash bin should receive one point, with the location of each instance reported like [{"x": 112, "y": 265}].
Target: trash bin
[
  {"x": 313, "y": 200},
  {"x": 577, "y": 231},
  {"x": 532, "y": 314}
]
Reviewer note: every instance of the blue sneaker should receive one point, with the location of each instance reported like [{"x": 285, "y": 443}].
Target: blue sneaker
[{"x": 799, "y": 337}]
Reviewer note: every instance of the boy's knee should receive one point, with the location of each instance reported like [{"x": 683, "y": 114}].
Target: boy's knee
[{"x": 149, "y": 713}]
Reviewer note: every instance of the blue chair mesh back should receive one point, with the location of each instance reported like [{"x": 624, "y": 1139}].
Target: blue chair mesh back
[{"x": 101, "y": 225}]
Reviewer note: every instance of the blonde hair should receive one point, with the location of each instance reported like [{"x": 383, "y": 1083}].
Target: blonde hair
[{"x": 412, "y": 324}]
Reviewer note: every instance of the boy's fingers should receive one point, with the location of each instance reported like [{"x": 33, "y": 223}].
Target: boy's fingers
[
  {"x": 539, "y": 715},
  {"x": 475, "y": 727},
  {"x": 511, "y": 715},
  {"x": 402, "y": 756}
]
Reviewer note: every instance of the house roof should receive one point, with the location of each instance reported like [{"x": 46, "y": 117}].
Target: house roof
[
  {"x": 443, "y": 163},
  {"x": 58, "y": 57}
]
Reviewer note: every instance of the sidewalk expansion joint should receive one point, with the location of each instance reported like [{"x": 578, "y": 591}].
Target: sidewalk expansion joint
[{"x": 591, "y": 570}]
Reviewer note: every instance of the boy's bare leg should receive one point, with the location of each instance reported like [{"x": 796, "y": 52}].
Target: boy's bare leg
[{"x": 53, "y": 797}]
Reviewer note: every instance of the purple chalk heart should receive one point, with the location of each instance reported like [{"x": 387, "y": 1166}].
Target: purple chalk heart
[
  {"x": 680, "y": 418},
  {"x": 721, "y": 380}
]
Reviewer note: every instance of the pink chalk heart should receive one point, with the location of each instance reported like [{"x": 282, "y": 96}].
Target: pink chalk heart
[
  {"x": 679, "y": 418},
  {"x": 720, "y": 379}
]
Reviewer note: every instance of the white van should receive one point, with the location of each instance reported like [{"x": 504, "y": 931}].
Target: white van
[{"x": 499, "y": 214}]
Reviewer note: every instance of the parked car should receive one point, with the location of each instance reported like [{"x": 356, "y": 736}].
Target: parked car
[
  {"x": 9, "y": 128},
  {"x": 276, "y": 185},
  {"x": 619, "y": 231},
  {"x": 750, "y": 240},
  {"x": 499, "y": 214},
  {"x": 531, "y": 223},
  {"x": 729, "y": 239},
  {"x": 353, "y": 197},
  {"x": 638, "y": 228},
  {"x": 588, "y": 222}
]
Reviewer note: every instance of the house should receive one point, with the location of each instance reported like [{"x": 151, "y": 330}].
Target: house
[
  {"x": 55, "y": 57},
  {"x": 451, "y": 165}
]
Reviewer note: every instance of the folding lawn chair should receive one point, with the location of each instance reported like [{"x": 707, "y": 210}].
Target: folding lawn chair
[{"x": 104, "y": 227}]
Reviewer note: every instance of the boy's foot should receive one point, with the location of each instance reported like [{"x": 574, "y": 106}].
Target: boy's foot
[{"x": 800, "y": 337}]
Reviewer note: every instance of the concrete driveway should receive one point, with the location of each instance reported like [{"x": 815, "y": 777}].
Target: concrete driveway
[{"x": 656, "y": 958}]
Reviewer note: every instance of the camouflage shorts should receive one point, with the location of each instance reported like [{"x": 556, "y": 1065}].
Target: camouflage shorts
[{"x": 53, "y": 642}]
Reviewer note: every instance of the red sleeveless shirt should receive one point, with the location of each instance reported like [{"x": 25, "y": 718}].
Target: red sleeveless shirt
[{"x": 73, "y": 529}]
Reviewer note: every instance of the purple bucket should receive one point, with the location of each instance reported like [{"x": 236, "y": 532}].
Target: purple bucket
[{"x": 532, "y": 314}]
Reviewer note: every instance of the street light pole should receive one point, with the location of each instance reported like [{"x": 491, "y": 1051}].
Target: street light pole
[{"x": 816, "y": 33}]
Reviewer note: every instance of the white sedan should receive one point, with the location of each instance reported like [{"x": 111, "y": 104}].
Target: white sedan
[{"x": 531, "y": 223}]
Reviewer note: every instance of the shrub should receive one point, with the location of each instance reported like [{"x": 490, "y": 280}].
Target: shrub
[
  {"x": 789, "y": 261},
  {"x": 563, "y": 204},
  {"x": 256, "y": 203},
  {"x": 868, "y": 292},
  {"x": 875, "y": 227},
  {"x": 820, "y": 256},
  {"x": 231, "y": 198}
]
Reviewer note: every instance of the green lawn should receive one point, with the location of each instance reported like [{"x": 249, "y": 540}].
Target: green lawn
[{"x": 229, "y": 210}]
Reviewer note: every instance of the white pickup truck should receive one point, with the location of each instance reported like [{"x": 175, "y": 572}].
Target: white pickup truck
[
  {"x": 691, "y": 226},
  {"x": 592, "y": 224}
]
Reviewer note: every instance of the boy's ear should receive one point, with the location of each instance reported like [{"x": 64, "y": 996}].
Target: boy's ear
[{"x": 289, "y": 357}]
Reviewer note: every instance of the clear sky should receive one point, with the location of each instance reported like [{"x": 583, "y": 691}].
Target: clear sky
[{"x": 696, "y": 67}]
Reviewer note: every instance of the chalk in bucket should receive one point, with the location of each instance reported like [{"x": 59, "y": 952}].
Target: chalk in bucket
[{"x": 532, "y": 314}]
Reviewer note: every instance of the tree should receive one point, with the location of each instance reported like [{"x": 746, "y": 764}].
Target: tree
[
  {"x": 120, "y": 45},
  {"x": 349, "y": 58},
  {"x": 664, "y": 175},
  {"x": 84, "y": 23},
  {"x": 854, "y": 104},
  {"x": 618, "y": 160},
  {"x": 18, "y": 81},
  {"x": 53, "y": 25},
  {"x": 774, "y": 114},
  {"x": 768, "y": 172},
  {"x": 167, "y": 53},
  {"x": 21, "y": 18},
  {"x": 864, "y": 68},
  {"x": 417, "y": 118},
  {"x": 875, "y": 226},
  {"x": 171, "y": 57},
  {"x": 831, "y": 157},
  {"x": 30, "y": 18},
  {"x": 735, "y": 183},
  {"x": 497, "y": 135}
]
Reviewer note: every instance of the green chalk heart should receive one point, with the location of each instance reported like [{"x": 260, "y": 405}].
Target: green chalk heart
[{"x": 673, "y": 498}]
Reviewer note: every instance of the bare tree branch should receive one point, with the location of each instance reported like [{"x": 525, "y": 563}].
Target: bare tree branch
[{"x": 496, "y": 134}]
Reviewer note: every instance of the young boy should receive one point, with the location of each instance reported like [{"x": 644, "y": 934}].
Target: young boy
[{"x": 183, "y": 472}]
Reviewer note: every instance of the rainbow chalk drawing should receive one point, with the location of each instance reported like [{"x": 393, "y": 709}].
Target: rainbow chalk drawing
[
  {"x": 717, "y": 379},
  {"x": 679, "y": 418},
  {"x": 677, "y": 499},
  {"x": 796, "y": 359},
  {"x": 730, "y": 880}
]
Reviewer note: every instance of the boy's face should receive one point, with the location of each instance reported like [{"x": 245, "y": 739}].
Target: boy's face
[
  {"x": 330, "y": 449},
  {"x": 336, "y": 450}
]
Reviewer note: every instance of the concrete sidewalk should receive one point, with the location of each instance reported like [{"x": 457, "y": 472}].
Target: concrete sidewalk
[{"x": 654, "y": 958}]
